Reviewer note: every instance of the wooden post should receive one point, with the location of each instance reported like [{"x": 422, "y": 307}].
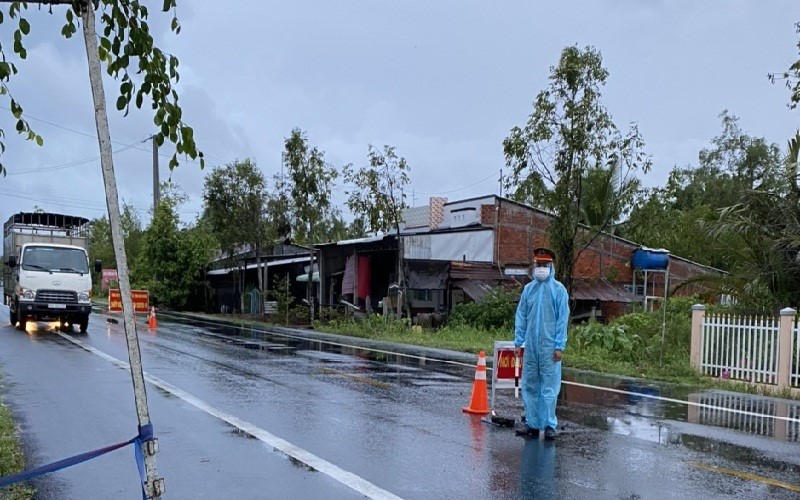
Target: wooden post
[
  {"x": 785, "y": 347},
  {"x": 698, "y": 316}
]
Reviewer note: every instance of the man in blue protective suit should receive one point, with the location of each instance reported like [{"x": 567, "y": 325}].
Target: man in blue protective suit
[{"x": 541, "y": 327}]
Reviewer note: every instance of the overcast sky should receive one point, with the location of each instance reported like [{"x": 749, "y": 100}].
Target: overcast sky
[{"x": 442, "y": 81}]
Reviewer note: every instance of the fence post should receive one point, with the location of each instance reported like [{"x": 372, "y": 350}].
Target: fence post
[
  {"x": 695, "y": 354},
  {"x": 785, "y": 348},
  {"x": 781, "y": 426}
]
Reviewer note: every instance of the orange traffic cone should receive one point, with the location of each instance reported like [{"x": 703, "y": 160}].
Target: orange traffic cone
[
  {"x": 480, "y": 399},
  {"x": 152, "y": 324}
]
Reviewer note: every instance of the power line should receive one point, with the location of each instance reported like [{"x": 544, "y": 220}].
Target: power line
[
  {"x": 491, "y": 176},
  {"x": 76, "y": 163},
  {"x": 92, "y": 136}
]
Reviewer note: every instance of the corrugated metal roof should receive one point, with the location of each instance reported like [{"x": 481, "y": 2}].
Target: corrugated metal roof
[
  {"x": 601, "y": 290},
  {"x": 294, "y": 260},
  {"x": 475, "y": 289},
  {"x": 475, "y": 271}
]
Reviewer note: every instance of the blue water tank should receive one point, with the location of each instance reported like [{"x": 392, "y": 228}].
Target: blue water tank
[{"x": 647, "y": 258}]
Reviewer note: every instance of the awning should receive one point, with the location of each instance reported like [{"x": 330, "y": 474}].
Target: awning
[
  {"x": 304, "y": 277},
  {"x": 264, "y": 263},
  {"x": 475, "y": 289},
  {"x": 602, "y": 290}
]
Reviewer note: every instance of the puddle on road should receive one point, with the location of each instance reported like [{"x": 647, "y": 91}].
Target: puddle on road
[
  {"x": 358, "y": 359},
  {"x": 744, "y": 413},
  {"x": 638, "y": 414}
]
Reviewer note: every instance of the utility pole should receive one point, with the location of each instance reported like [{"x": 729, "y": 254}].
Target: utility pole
[
  {"x": 156, "y": 187},
  {"x": 154, "y": 485},
  {"x": 501, "y": 183}
]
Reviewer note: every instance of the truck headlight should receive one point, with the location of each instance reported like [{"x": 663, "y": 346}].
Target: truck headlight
[
  {"x": 83, "y": 297},
  {"x": 28, "y": 294}
]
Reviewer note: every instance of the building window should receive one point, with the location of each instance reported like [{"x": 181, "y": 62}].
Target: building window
[{"x": 422, "y": 295}]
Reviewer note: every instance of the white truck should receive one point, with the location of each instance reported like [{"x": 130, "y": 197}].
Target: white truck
[{"x": 46, "y": 274}]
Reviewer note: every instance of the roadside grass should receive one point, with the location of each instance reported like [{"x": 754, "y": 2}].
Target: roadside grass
[{"x": 11, "y": 458}]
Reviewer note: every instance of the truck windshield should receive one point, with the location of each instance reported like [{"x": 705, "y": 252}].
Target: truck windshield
[{"x": 55, "y": 259}]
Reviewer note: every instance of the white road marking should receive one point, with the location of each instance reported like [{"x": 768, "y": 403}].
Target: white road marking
[{"x": 349, "y": 479}]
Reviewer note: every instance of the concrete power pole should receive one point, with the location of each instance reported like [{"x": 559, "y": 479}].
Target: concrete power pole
[
  {"x": 156, "y": 187},
  {"x": 154, "y": 485}
]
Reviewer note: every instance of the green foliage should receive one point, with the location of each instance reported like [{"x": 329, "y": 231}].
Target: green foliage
[
  {"x": 357, "y": 228},
  {"x": 100, "y": 244},
  {"x": 791, "y": 76},
  {"x": 12, "y": 460},
  {"x": 236, "y": 208},
  {"x": 571, "y": 159},
  {"x": 330, "y": 314},
  {"x": 682, "y": 215},
  {"x": 379, "y": 196},
  {"x": 172, "y": 260},
  {"x": 612, "y": 338},
  {"x": 298, "y": 314},
  {"x": 307, "y": 189},
  {"x": 307, "y": 184},
  {"x": 280, "y": 293},
  {"x": 495, "y": 312},
  {"x": 127, "y": 48},
  {"x": 374, "y": 326}
]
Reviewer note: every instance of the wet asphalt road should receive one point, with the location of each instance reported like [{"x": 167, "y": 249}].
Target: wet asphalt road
[{"x": 244, "y": 414}]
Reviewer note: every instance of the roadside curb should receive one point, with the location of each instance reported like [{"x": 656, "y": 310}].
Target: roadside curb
[{"x": 432, "y": 352}]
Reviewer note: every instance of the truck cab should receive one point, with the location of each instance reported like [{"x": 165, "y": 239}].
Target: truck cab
[{"x": 47, "y": 276}]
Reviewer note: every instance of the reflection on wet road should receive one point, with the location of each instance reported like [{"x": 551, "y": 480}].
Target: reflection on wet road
[{"x": 391, "y": 419}]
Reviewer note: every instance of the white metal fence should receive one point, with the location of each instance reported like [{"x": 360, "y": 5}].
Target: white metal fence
[
  {"x": 741, "y": 348},
  {"x": 776, "y": 418},
  {"x": 751, "y": 415}
]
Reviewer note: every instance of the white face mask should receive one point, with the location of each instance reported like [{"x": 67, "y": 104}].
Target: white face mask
[{"x": 541, "y": 273}]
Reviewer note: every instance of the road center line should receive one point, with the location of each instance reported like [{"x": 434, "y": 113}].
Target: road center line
[
  {"x": 745, "y": 475},
  {"x": 349, "y": 479}
]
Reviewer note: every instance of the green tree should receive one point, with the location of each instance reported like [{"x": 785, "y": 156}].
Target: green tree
[
  {"x": 102, "y": 248},
  {"x": 379, "y": 196},
  {"x": 173, "y": 259},
  {"x": 568, "y": 143},
  {"x": 332, "y": 228},
  {"x": 791, "y": 76},
  {"x": 769, "y": 226},
  {"x": 680, "y": 216},
  {"x": 308, "y": 183},
  {"x": 357, "y": 228},
  {"x": 236, "y": 204}
]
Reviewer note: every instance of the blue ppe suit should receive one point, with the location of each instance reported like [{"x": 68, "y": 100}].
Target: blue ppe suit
[{"x": 541, "y": 327}]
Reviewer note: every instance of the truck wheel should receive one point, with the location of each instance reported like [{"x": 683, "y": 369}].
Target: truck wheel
[
  {"x": 23, "y": 323},
  {"x": 83, "y": 323},
  {"x": 12, "y": 317}
]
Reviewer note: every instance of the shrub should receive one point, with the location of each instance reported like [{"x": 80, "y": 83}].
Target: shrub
[
  {"x": 613, "y": 338},
  {"x": 495, "y": 312}
]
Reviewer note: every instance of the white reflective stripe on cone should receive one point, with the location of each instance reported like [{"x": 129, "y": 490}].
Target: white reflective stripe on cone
[{"x": 480, "y": 375}]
